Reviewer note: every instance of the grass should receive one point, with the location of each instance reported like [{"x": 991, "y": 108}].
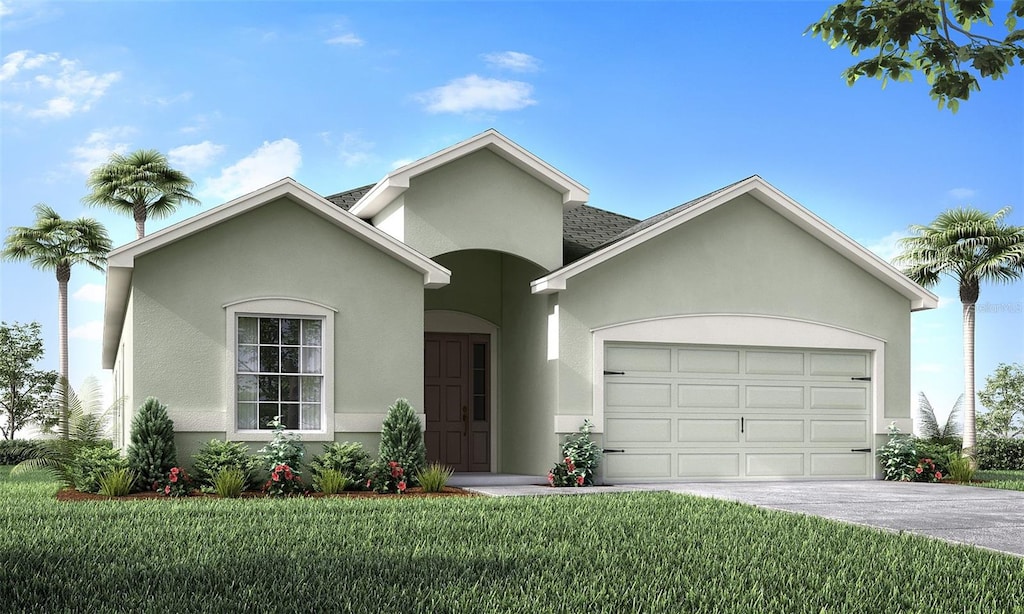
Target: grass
[
  {"x": 637, "y": 552},
  {"x": 1005, "y": 480}
]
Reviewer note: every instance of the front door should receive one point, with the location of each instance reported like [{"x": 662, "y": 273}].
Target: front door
[{"x": 457, "y": 400}]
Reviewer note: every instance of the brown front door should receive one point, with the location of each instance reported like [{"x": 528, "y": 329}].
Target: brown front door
[{"x": 457, "y": 400}]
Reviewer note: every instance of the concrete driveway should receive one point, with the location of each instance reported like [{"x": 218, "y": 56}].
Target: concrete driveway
[{"x": 983, "y": 517}]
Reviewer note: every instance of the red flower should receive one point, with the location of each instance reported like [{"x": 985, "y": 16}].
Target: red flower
[
  {"x": 938, "y": 475},
  {"x": 167, "y": 489},
  {"x": 174, "y": 477},
  {"x": 401, "y": 486},
  {"x": 393, "y": 464},
  {"x": 551, "y": 478},
  {"x": 287, "y": 472},
  {"x": 367, "y": 483},
  {"x": 395, "y": 472},
  {"x": 275, "y": 476},
  {"x": 579, "y": 480},
  {"x": 918, "y": 470},
  {"x": 175, "y": 470}
]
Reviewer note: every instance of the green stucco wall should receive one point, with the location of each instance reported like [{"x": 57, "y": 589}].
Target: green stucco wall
[
  {"x": 277, "y": 250},
  {"x": 481, "y": 201},
  {"x": 740, "y": 258}
]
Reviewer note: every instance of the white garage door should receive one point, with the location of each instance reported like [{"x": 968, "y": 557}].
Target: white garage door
[{"x": 713, "y": 412}]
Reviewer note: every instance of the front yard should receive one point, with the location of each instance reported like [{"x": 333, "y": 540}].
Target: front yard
[{"x": 640, "y": 552}]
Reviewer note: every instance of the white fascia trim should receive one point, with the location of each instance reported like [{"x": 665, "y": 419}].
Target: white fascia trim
[
  {"x": 776, "y": 201},
  {"x": 397, "y": 181},
  {"x": 115, "y": 305}
]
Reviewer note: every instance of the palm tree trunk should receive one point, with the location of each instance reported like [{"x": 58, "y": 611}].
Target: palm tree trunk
[
  {"x": 139, "y": 212},
  {"x": 63, "y": 275},
  {"x": 970, "y": 437}
]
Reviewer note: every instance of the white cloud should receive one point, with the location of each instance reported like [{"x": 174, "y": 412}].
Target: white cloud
[
  {"x": 98, "y": 146},
  {"x": 90, "y": 331},
  {"x": 475, "y": 93},
  {"x": 270, "y": 162},
  {"x": 5, "y": 9},
  {"x": 349, "y": 40},
  {"x": 354, "y": 150},
  {"x": 961, "y": 193},
  {"x": 887, "y": 247},
  {"x": 194, "y": 157},
  {"x": 59, "y": 88},
  {"x": 89, "y": 293},
  {"x": 513, "y": 60},
  {"x": 163, "y": 101}
]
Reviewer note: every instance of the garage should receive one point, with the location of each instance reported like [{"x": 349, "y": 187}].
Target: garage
[{"x": 708, "y": 412}]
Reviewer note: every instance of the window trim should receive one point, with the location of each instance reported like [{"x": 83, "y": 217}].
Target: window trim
[{"x": 280, "y": 307}]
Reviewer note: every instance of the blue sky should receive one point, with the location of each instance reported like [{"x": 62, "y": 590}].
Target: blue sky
[{"x": 647, "y": 104}]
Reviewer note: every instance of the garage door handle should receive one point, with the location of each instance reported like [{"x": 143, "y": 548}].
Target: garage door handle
[
  {"x": 860, "y": 450},
  {"x": 612, "y": 451},
  {"x": 607, "y": 372}
]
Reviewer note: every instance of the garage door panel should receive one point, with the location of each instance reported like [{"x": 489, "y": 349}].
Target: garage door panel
[
  {"x": 777, "y": 397},
  {"x": 638, "y": 430},
  {"x": 701, "y": 396},
  {"x": 709, "y": 430},
  {"x": 824, "y": 464},
  {"x": 839, "y": 398},
  {"x": 637, "y": 394},
  {"x": 634, "y": 359},
  {"x": 774, "y": 464},
  {"x": 839, "y": 365},
  {"x": 775, "y": 363},
  {"x": 650, "y": 465},
  {"x": 709, "y": 361},
  {"x": 845, "y": 431},
  {"x": 709, "y": 465},
  {"x": 775, "y": 431}
]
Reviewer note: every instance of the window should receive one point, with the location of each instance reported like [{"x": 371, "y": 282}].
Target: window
[{"x": 279, "y": 372}]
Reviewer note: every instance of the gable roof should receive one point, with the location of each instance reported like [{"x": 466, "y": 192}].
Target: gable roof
[
  {"x": 775, "y": 200},
  {"x": 397, "y": 181},
  {"x": 346, "y": 199},
  {"x": 586, "y": 228},
  {"x": 121, "y": 261}
]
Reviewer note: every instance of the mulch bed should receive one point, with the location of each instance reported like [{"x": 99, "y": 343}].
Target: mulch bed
[{"x": 70, "y": 494}]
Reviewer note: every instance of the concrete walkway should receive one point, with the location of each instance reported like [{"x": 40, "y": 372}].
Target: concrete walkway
[{"x": 983, "y": 517}]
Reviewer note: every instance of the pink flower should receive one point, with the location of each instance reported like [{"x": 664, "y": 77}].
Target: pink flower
[
  {"x": 175, "y": 470},
  {"x": 367, "y": 483},
  {"x": 275, "y": 476},
  {"x": 174, "y": 477},
  {"x": 938, "y": 475},
  {"x": 401, "y": 486},
  {"x": 918, "y": 470},
  {"x": 551, "y": 478},
  {"x": 395, "y": 472},
  {"x": 579, "y": 480},
  {"x": 167, "y": 489}
]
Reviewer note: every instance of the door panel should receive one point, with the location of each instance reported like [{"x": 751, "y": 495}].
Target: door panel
[{"x": 457, "y": 399}]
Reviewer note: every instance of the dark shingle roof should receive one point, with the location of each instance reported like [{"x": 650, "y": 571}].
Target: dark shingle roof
[
  {"x": 346, "y": 199},
  {"x": 586, "y": 228}
]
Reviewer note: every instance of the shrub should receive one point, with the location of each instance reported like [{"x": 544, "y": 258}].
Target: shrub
[
  {"x": 401, "y": 440},
  {"x": 940, "y": 451},
  {"x": 926, "y": 471},
  {"x": 14, "y": 451},
  {"x": 117, "y": 483},
  {"x": 580, "y": 459},
  {"x": 1000, "y": 453},
  {"x": 176, "y": 484},
  {"x": 151, "y": 453},
  {"x": 331, "y": 482},
  {"x": 898, "y": 456},
  {"x": 348, "y": 459},
  {"x": 92, "y": 463},
  {"x": 959, "y": 467},
  {"x": 216, "y": 455},
  {"x": 387, "y": 477},
  {"x": 435, "y": 477},
  {"x": 283, "y": 449},
  {"x": 284, "y": 482},
  {"x": 229, "y": 482}
]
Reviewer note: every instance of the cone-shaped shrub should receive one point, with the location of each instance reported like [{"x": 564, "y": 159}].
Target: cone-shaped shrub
[
  {"x": 401, "y": 439},
  {"x": 151, "y": 453}
]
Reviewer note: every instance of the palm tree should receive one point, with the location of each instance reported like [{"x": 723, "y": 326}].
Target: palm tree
[
  {"x": 970, "y": 246},
  {"x": 929, "y": 422},
  {"x": 141, "y": 184},
  {"x": 56, "y": 244}
]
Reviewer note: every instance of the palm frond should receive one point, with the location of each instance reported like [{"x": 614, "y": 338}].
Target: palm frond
[
  {"x": 953, "y": 426},
  {"x": 927, "y": 423}
]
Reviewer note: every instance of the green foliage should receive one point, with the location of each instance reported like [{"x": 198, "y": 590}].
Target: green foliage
[
  {"x": 177, "y": 483},
  {"x": 643, "y": 552},
  {"x": 1000, "y": 453},
  {"x": 331, "y": 482},
  {"x": 152, "y": 453},
  {"x": 92, "y": 463},
  {"x": 14, "y": 451},
  {"x": 938, "y": 450},
  {"x": 960, "y": 468},
  {"x": 898, "y": 456},
  {"x": 1003, "y": 480},
  {"x": 387, "y": 477},
  {"x": 284, "y": 482},
  {"x": 348, "y": 459},
  {"x": 401, "y": 439},
  {"x": 435, "y": 477},
  {"x": 1003, "y": 396},
  {"x": 117, "y": 483},
  {"x": 216, "y": 455},
  {"x": 25, "y": 392},
  {"x": 283, "y": 449},
  {"x": 929, "y": 424},
  {"x": 581, "y": 457},
  {"x": 932, "y": 37},
  {"x": 229, "y": 482}
]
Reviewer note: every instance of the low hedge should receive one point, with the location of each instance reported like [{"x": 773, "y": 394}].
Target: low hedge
[
  {"x": 1000, "y": 453},
  {"x": 14, "y": 451}
]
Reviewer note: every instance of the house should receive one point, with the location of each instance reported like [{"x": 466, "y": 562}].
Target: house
[{"x": 735, "y": 336}]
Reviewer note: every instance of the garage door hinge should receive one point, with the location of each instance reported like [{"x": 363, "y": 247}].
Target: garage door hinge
[
  {"x": 861, "y": 379},
  {"x": 860, "y": 450},
  {"x": 607, "y": 372},
  {"x": 611, "y": 451}
]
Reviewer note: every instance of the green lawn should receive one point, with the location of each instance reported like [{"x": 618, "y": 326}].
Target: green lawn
[
  {"x": 1005, "y": 480},
  {"x": 640, "y": 552}
]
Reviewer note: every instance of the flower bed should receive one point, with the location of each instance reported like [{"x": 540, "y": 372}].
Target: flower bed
[{"x": 70, "y": 494}]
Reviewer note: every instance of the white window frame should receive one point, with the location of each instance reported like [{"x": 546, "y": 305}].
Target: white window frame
[{"x": 281, "y": 307}]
